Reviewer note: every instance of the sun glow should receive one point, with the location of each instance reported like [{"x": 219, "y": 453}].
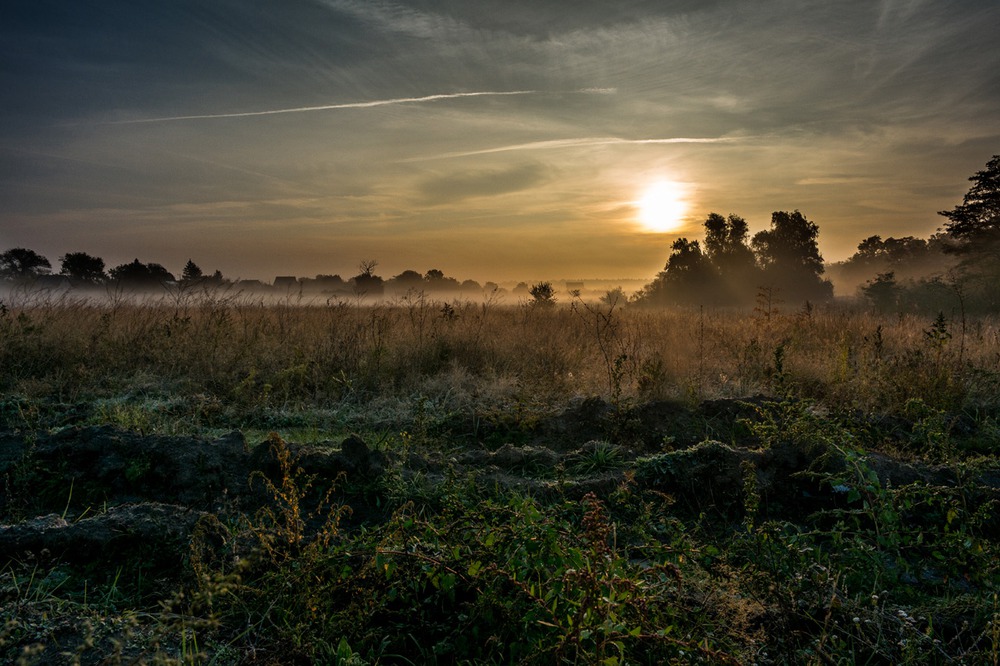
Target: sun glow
[{"x": 662, "y": 207}]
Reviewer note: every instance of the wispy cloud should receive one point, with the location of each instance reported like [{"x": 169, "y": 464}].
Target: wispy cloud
[
  {"x": 398, "y": 18},
  {"x": 574, "y": 143},
  {"x": 833, "y": 180},
  {"x": 325, "y": 107}
]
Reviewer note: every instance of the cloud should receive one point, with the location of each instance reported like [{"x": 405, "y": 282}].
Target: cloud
[
  {"x": 833, "y": 180},
  {"x": 575, "y": 143},
  {"x": 327, "y": 107},
  {"x": 486, "y": 183},
  {"x": 397, "y": 18}
]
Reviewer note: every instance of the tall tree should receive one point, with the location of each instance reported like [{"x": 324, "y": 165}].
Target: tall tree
[
  {"x": 789, "y": 244},
  {"x": 686, "y": 259},
  {"x": 789, "y": 255},
  {"x": 727, "y": 247},
  {"x": 726, "y": 241},
  {"x": 976, "y": 221},
  {"x": 191, "y": 272},
  {"x": 975, "y": 224},
  {"x": 21, "y": 262},
  {"x": 83, "y": 267}
]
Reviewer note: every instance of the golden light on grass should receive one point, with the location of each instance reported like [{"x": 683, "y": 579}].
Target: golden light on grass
[{"x": 662, "y": 206}]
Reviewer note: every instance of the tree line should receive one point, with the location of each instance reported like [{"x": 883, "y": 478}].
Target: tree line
[
  {"x": 81, "y": 268},
  {"x": 958, "y": 268}
]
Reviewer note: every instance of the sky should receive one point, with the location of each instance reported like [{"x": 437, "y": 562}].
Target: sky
[{"x": 491, "y": 140}]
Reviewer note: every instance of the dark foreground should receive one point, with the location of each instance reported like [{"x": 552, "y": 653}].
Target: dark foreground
[{"x": 757, "y": 531}]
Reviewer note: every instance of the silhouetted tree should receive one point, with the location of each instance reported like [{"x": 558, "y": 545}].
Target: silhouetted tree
[
  {"x": 891, "y": 251},
  {"x": 975, "y": 225},
  {"x": 789, "y": 257},
  {"x": 976, "y": 221},
  {"x": 727, "y": 242},
  {"x": 159, "y": 273},
  {"x": 883, "y": 292},
  {"x": 908, "y": 258},
  {"x": 19, "y": 262},
  {"x": 408, "y": 279},
  {"x": 687, "y": 259},
  {"x": 543, "y": 294},
  {"x": 471, "y": 285},
  {"x": 191, "y": 272},
  {"x": 138, "y": 274},
  {"x": 366, "y": 282},
  {"x": 614, "y": 297},
  {"x": 688, "y": 278},
  {"x": 330, "y": 282},
  {"x": 83, "y": 267},
  {"x": 727, "y": 248},
  {"x": 437, "y": 281}
]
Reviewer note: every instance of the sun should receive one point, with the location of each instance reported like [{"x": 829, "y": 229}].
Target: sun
[{"x": 662, "y": 206}]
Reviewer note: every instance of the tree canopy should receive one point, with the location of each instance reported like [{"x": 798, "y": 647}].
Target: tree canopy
[
  {"x": 976, "y": 221},
  {"x": 138, "y": 274},
  {"x": 543, "y": 294},
  {"x": 19, "y": 263},
  {"x": 788, "y": 254},
  {"x": 83, "y": 267}
]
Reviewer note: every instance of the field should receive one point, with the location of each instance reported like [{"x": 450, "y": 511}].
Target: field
[{"x": 214, "y": 479}]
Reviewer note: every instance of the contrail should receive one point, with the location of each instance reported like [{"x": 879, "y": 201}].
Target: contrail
[
  {"x": 572, "y": 143},
  {"x": 325, "y": 107}
]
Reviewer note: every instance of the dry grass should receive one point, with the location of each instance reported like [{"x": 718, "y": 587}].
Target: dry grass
[{"x": 287, "y": 355}]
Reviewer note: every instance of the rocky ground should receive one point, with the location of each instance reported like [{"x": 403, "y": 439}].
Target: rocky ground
[{"x": 83, "y": 497}]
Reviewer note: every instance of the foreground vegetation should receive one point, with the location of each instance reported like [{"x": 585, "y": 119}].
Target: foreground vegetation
[{"x": 541, "y": 483}]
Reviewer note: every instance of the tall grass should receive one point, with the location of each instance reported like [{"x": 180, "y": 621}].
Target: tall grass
[{"x": 250, "y": 356}]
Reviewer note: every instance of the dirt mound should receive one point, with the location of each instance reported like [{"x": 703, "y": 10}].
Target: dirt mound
[
  {"x": 150, "y": 490},
  {"x": 156, "y": 533},
  {"x": 89, "y": 466},
  {"x": 648, "y": 425},
  {"x": 80, "y": 468}
]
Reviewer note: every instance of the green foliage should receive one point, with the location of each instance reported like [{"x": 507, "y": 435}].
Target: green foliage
[
  {"x": 596, "y": 457},
  {"x": 893, "y": 574}
]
